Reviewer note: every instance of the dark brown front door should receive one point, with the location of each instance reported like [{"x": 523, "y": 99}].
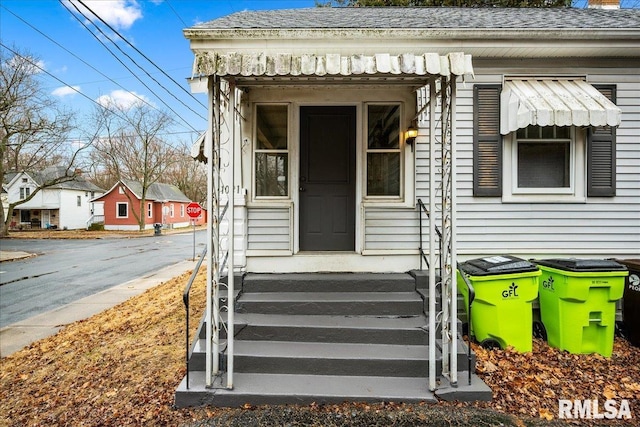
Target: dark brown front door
[{"x": 327, "y": 178}]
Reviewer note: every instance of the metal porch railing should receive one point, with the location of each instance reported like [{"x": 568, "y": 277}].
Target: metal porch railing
[
  {"x": 423, "y": 258},
  {"x": 185, "y": 300}
]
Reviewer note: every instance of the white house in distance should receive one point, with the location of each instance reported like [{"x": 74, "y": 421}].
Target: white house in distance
[
  {"x": 517, "y": 129},
  {"x": 66, "y": 205}
]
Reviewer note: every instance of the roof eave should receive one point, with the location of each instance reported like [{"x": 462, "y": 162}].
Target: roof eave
[{"x": 201, "y": 34}]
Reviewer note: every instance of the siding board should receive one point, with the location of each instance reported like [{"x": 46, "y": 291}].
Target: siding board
[{"x": 269, "y": 229}]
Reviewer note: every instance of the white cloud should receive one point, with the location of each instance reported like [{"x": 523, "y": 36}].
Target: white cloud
[
  {"x": 121, "y": 99},
  {"x": 29, "y": 64},
  {"x": 65, "y": 91},
  {"x": 120, "y": 14}
]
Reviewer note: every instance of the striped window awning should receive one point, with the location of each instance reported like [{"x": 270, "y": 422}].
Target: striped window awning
[
  {"x": 554, "y": 102},
  {"x": 258, "y": 64}
]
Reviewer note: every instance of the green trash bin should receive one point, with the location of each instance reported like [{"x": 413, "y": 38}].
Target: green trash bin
[
  {"x": 498, "y": 292},
  {"x": 578, "y": 303}
]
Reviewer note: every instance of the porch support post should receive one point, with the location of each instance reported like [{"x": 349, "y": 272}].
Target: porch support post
[
  {"x": 432, "y": 235},
  {"x": 453, "y": 310},
  {"x": 213, "y": 249},
  {"x": 447, "y": 250},
  {"x": 231, "y": 236},
  {"x": 444, "y": 225}
]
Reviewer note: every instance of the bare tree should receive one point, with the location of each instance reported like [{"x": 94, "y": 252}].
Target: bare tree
[
  {"x": 131, "y": 147},
  {"x": 34, "y": 128},
  {"x": 189, "y": 175}
]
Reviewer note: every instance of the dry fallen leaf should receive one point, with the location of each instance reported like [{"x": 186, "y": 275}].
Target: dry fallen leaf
[{"x": 546, "y": 414}]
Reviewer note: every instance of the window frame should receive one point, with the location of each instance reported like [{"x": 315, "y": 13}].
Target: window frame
[
  {"x": 400, "y": 150},
  {"x": 575, "y": 193},
  {"x": 79, "y": 201},
  {"x": 255, "y": 150},
  {"x": 149, "y": 210},
  {"x": 24, "y": 192},
  {"x": 126, "y": 205}
]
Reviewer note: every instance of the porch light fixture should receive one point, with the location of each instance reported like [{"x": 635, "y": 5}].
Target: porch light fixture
[{"x": 410, "y": 135}]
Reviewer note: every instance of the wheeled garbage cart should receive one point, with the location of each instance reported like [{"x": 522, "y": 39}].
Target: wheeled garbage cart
[
  {"x": 578, "y": 303},
  {"x": 631, "y": 301},
  {"x": 498, "y": 292}
]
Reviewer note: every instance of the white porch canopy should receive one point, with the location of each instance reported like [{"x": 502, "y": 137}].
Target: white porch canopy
[
  {"x": 549, "y": 102},
  {"x": 331, "y": 64}
]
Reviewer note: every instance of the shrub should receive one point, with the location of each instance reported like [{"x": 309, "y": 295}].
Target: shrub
[{"x": 96, "y": 226}]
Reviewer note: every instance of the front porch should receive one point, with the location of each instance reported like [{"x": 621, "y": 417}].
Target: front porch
[{"x": 329, "y": 338}]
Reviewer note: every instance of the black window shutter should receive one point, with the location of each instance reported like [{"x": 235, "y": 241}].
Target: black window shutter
[
  {"x": 487, "y": 141},
  {"x": 601, "y": 154}
]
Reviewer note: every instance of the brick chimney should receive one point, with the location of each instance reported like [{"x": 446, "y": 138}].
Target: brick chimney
[{"x": 604, "y": 4}]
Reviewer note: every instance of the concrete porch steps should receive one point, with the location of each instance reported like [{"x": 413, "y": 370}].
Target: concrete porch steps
[{"x": 325, "y": 337}]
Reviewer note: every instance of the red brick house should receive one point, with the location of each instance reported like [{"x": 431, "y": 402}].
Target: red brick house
[{"x": 164, "y": 204}]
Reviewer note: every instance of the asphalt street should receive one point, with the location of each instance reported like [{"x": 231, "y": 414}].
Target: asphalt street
[{"x": 65, "y": 271}]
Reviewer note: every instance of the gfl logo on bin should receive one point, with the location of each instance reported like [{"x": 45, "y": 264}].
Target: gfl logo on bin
[
  {"x": 548, "y": 284},
  {"x": 511, "y": 291}
]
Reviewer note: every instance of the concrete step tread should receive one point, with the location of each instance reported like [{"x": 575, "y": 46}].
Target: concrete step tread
[
  {"x": 328, "y": 282},
  {"x": 319, "y": 297},
  {"x": 318, "y": 350},
  {"x": 256, "y": 388},
  {"x": 276, "y": 348},
  {"x": 333, "y": 321},
  {"x": 301, "y": 277}
]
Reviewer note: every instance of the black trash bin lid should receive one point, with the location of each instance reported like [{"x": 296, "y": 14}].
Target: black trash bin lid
[
  {"x": 632, "y": 264},
  {"x": 494, "y": 265},
  {"x": 582, "y": 265}
]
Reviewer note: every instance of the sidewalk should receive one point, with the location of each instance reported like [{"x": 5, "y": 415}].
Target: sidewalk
[
  {"x": 13, "y": 255},
  {"x": 18, "y": 335}
]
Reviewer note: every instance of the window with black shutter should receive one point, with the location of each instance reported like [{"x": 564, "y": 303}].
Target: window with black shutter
[
  {"x": 601, "y": 154},
  {"x": 487, "y": 141},
  {"x": 542, "y": 166}
]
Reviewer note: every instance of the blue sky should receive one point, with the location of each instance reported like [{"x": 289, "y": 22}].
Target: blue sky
[
  {"x": 68, "y": 51},
  {"x": 71, "y": 55}
]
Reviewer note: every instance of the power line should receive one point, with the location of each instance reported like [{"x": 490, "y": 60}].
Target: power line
[
  {"x": 175, "y": 13},
  {"x": 120, "y": 61},
  {"x": 149, "y": 60},
  {"x": 62, "y": 82},
  {"x": 80, "y": 59},
  {"x": 114, "y": 112}
]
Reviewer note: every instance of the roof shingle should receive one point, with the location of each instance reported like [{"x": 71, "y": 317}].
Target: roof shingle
[{"x": 428, "y": 18}]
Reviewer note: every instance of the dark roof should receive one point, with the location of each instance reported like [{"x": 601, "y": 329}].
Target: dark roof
[
  {"x": 428, "y": 18},
  {"x": 158, "y": 191},
  {"x": 70, "y": 182}
]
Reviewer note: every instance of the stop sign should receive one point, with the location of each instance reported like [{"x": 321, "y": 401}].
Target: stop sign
[{"x": 194, "y": 210}]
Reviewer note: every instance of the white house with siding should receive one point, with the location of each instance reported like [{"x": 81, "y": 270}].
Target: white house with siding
[
  {"x": 65, "y": 205},
  {"x": 545, "y": 165},
  {"x": 527, "y": 144}
]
